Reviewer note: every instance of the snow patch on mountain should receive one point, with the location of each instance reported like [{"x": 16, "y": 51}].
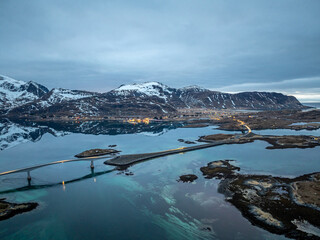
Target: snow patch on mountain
[
  {"x": 148, "y": 88},
  {"x": 58, "y": 95},
  {"x": 10, "y": 88},
  {"x": 195, "y": 88}
]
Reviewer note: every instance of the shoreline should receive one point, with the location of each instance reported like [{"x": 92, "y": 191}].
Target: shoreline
[
  {"x": 225, "y": 120},
  {"x": 276, "y": 142}
]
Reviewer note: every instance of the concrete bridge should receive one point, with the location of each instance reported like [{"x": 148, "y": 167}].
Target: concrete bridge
[
  {"x": 29, "y": 187},
  {"x": 29, "y": 169},
  {"x": 126, "y": 160}
]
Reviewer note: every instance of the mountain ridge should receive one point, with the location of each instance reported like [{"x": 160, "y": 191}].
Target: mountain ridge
[
  {"x": 148, "y": 98},
  {"x": 14, "y": 93}
]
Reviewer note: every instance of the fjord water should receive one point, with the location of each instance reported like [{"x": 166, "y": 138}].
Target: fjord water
[{"x": 151, "y": 203}]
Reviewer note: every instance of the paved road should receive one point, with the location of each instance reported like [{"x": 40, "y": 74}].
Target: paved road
[
  {"x": 125, "y": 160},
  {"x": 244, "y": 124}
]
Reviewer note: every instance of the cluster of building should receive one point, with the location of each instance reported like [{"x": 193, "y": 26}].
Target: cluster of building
[{"x": 138, "y": 120}]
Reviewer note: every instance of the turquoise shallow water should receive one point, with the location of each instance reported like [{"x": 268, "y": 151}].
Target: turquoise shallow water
[{"x": 151, "y": 204}]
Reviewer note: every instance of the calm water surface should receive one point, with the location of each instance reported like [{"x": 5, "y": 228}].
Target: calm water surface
[{"x": 150, "y": 204}]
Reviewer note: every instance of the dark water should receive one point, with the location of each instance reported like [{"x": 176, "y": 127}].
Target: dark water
[{"x": 151, "y": 204}]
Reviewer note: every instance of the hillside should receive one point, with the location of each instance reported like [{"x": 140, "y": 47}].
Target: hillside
[{"x": 19, "y": 98}]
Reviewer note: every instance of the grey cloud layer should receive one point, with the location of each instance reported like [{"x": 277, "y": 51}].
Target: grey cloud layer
[{"x": 99, "y": 45}]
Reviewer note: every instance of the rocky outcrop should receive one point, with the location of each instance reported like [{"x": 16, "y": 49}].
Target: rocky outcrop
[
  {"x": 219, "y": 169},
  {"x": 188, "y": 178},
  {"x": 96, "y": 152},
  {"x": 276, "y": 142},
  {"x": 8, "y": 210},
  {"x": 285, "y": 206}
]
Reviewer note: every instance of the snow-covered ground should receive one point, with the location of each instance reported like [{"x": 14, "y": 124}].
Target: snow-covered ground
[{"x": 148, "y": 88}]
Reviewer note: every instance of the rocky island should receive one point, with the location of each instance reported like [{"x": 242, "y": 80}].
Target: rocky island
[
  {"x": 276, "y": 142},
  {"x": 287, "y": 206},
  {"x": 188, "y": 178},
  {"x": 8, "y": 210},
  {"x": 96, "y": 152}
]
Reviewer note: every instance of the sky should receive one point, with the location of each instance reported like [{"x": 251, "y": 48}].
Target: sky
[{"x": 230, "y": 46}]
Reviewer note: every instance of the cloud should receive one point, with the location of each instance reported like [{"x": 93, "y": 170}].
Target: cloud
[
  {"x": 308, "y": 97},
  {"x": 305, "y": 89},
  {"x": 102, "y": 44}
]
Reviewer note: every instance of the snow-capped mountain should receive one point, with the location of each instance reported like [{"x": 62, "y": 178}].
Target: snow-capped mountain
[
  {"x": 14, "y": 93},
  {"x": 153, "y": 93},
  {"x": 54, "y": 97},
  {"x": 150, "y": 89},
  {"x": 193, "y": 88},
  {"x": 198, "y": 97},
  {"x": 195, "y": 97},
  {"x": 60, "y": 95},
  {"x": 28, "y": 97},
  {"x": 143, "y": 99}
]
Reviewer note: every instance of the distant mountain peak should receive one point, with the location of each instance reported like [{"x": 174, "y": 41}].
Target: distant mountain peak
[
  {"x": 58, "y": 95},
  {"x": 194, "y": 88},
  {"x": 14, "y": 93},
  {"x": 147, "y": 88},
  {"x": 18, "y": 98},
  {"x": 10, "y": 83},
  {"x": 138, "y": 86}
]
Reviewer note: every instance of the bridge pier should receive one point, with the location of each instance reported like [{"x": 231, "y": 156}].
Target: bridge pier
[
  {"x": 29, "y": 178},
  {"x": 91, "y": 164}
]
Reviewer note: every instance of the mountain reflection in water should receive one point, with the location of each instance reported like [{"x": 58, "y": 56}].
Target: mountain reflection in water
[{"x": 17, "y": 132}]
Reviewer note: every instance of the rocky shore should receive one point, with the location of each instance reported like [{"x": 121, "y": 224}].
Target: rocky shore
[
  {"x": 8, "y": 210},
  {"x": 276, "y": 142},
  {"x": 286, "y": 206},
  {"x": 286, "y": 119},
  {"x": 219, "y": 169}
]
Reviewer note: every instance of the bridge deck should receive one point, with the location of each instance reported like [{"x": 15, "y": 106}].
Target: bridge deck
[
  {"x": 28, "y": 169},
  {"x": 129, "y": 159}
]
